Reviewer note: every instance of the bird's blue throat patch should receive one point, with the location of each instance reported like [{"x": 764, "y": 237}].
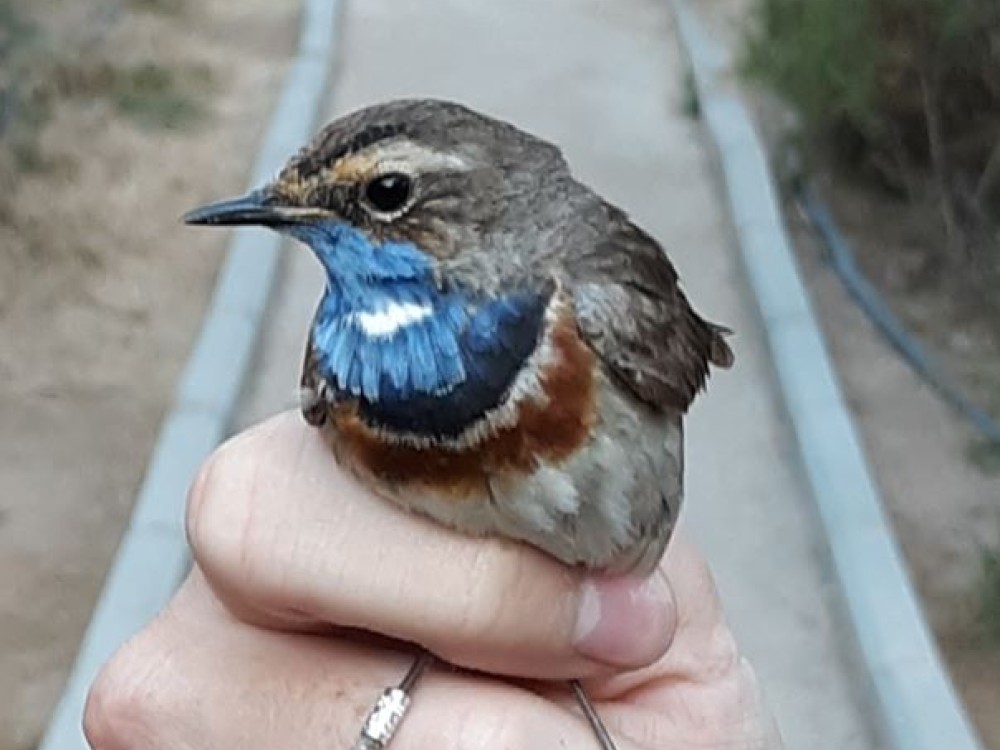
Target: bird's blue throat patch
[{"x": 419, "y": 358}]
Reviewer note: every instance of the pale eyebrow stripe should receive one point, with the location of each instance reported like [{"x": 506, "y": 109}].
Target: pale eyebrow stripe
[{"x": 408, "y": 156}]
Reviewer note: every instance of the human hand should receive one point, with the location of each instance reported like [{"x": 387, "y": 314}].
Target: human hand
[{"x": 264, "y": 646}]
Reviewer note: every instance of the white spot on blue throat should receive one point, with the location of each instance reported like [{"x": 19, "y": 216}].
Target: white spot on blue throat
[
  {"x": 384, "y": 328},
  {"x": 389, "y": 320}
]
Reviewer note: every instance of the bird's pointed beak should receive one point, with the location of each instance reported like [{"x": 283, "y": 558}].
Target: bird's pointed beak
[{"x": 252, "y": 208}]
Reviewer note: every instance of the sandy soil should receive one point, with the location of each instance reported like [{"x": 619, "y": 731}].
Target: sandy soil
[
  {"x": 101, "y": 292},
  {"x": 945, "y": 506}
]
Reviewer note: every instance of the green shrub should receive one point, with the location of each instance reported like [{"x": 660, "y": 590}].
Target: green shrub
[
  {"x": 156, "y": 97},
  {"x": 820, "y": 54},
  {"x": 989, "y": 597},
  {"x": 895, "y": 84}
]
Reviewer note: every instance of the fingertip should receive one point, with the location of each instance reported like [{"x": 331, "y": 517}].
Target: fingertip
[{"x": 625, "y": 621}]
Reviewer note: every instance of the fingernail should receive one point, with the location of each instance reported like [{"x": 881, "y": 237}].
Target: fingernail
[{"x": 624, "y": 621}]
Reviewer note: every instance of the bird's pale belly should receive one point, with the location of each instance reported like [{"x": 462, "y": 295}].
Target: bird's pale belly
[{"x": 604, "y": 498}]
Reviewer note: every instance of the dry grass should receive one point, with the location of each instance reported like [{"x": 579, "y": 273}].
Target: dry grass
[
  {"x": 76, "y": 65},
  {"x": 157, "y": 97},
  {"x": 47, "y": 58},
  {"x": 117, "y": 116}
]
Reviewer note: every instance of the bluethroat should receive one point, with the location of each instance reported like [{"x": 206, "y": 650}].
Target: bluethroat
[{"x": 497, "y": 347}]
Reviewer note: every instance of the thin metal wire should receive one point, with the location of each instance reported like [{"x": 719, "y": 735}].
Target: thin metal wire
[
  {"x": 592, "y": 717},
  {"x": 388, "y": 715},
  {"x": 420, "y": 664}
]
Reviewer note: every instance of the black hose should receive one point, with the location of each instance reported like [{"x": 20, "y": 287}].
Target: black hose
[{"x": 871, "y": 302}]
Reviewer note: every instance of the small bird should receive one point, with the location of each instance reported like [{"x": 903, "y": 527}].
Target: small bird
[{"x": 497, "y": 347}]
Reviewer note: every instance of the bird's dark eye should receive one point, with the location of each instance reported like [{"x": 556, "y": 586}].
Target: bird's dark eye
[{"x": 388, "y": 192}]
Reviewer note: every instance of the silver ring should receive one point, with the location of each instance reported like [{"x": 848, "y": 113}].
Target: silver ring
[
  {"x": 390, "y": 708},
  {"x": 382, "y": 720}
]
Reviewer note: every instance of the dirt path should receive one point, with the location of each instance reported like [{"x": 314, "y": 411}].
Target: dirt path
[
  {"x": 945, "y": 508},
  {"x": 101, "y": 292}
]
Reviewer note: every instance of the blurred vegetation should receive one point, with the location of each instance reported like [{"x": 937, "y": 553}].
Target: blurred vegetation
[
  {"x": 690, "y": 103},
  {"x": 989, "y": 597},
  {"x": 160, "y": 6},
  {"x": 157, "y": 97},
  {"x": 22, "y": 110},
  {"x": 985, "y": 455},
  {"x": 48, "y": 57},
  {"x": 904, "y": 91}
]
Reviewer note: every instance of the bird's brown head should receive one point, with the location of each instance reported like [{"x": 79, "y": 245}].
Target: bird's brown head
[{"x": 430, "y": 173}]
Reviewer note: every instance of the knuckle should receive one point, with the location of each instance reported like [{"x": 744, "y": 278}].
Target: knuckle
[
  {"x": 219, "y": 522},
  {"x": 721, "y": 658},
  {"x": 198, "y": 498},
  {"x": 125, "y": 703},
  {"x": 106, "y": 716}
]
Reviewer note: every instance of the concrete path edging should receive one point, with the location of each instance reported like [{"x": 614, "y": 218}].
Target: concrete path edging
[
  {"x": 153, "y": 555},
  {"x": 915, "y": 703}
]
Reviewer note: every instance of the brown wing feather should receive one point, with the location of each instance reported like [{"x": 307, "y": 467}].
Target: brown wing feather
[{"x": 632, "y": 312}]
